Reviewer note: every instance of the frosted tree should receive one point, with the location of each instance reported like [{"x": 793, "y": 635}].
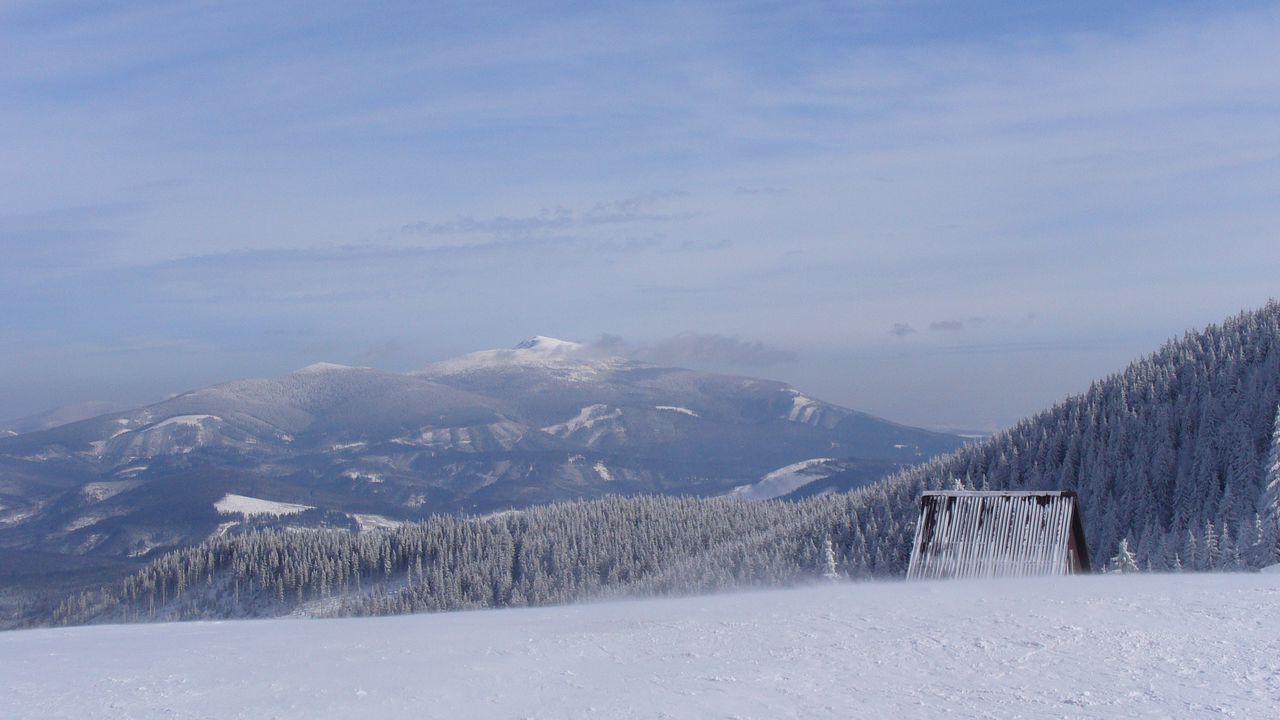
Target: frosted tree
[
  {"x": 1124, "y": 560},
  {"x": 1211, "y": 556},
  {"x": 831, "y": 572},
  {"x": 1270, "y": 535}
]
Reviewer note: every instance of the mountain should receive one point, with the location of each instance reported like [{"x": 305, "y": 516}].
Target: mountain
[
  {"x": 1179, "y": 455},
  {"x": 349, "y": 447},
  {"x": 55, "y": 417}
]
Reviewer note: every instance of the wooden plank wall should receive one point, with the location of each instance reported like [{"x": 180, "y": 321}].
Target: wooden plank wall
[{"x": 971, "y": 535}]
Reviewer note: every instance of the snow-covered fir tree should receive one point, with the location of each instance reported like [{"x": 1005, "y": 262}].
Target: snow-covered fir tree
[
  {"x": 831, "y": 572},
  {"x": 1124, "y": 561},
  {"x": 1269, "y": 526}
]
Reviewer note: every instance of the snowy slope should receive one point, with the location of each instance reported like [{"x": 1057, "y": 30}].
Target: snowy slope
[
  {"x": 786, "y": 479},
  {"x": 1090, "y": 647}
]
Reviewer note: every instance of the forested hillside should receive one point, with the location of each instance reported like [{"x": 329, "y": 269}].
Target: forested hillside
[
  {"x": 1179, "y": 454},
  {"x": 550, "y": 554},
  {"x": 1175, "y": 453}
]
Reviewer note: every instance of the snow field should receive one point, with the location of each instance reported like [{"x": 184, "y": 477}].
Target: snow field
[
  {"x": 1156, "y": 646},
  {"x": 231, "y": 504},
  {"x": 783, "y": 480}
]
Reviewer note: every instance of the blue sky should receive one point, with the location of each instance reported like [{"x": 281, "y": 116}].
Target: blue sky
[{"x": 947, "y": 214}]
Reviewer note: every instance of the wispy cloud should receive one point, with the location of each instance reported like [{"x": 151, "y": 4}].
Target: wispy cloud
[
  {"x": 472, "y": 171},
  {"x": 635, "y": 210},
  {"x": 702, "y": 349}
]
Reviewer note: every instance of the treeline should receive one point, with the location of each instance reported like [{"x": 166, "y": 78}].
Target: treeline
[
  {"x": 545, "y": 555},
  {"x": 1178, "y": 457}
]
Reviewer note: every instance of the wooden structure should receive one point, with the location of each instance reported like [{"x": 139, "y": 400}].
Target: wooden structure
[{"x": 965, "y": 533}]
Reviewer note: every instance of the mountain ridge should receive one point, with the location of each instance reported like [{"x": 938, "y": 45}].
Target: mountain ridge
[
  {"x": 1176, "y": 458},
  {"x": 545, "y": 421}
]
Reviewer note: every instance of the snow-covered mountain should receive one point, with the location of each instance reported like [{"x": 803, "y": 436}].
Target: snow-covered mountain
[
  {"x": 547, "y": 420},
  {"x": 1176, "y": 459},
  {"x": 55, "y": 417}
]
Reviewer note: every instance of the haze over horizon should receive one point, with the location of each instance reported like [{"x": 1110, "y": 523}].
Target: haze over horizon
[{"x": 949, "y": 217}]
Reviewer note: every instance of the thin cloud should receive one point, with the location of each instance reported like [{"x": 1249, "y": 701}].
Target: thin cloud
[
  {"x": 633, "y": 210},
  {"x": 703, "y": 349},
  {"x": 380, "y": 353},
  {"x": 901, "y": 329}
]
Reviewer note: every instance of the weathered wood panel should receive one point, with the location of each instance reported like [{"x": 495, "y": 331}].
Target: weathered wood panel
[{"x": 997, "y": 534}]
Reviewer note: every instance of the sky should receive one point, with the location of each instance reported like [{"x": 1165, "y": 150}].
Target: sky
[{"x": 951, "y": 215}]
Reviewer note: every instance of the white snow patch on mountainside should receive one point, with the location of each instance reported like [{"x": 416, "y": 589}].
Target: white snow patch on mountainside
[
  {"x": 783, "y": 480},
  {"x": 85, "y": 521},
  {"x": 603, "y": 471},
  {"x": 248, "y": 506},
  {"x": 193, "y": 420},
  {"x": 99, "y": 491},
  {"x": 368, "y": 521},
  {"x": 587, "y": 418},
  {"x": 802, "y": 408},
  {"x": 366, "y": 476},
  {"x": 1113, "y": 646},
  {"x": 673, "y": 408}
]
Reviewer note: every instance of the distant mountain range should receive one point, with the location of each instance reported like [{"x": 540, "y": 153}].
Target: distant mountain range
[
  {"x": 58, "y": 416},
  {"x": 1176, "y": 459},
  {"x": 351, "y": 447}
]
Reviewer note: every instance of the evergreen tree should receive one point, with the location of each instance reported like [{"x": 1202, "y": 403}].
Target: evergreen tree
[
  {"x": 1271, "y": 498},
  {"x": 831, "y": 573},
  {"x": 1124, "y": 561}
]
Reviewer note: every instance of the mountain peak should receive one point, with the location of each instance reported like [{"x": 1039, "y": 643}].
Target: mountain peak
[
  {"x": 538, "y": 352},
  {"x": 325, "y": 367},
  {"x": 542, "y": 343}
]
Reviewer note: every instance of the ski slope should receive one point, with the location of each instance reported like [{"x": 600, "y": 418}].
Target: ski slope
[{"x": 1157, "y": 646}]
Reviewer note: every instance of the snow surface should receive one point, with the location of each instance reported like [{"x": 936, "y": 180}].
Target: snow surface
[
  {"x": 783, "y": 480},
  {"x": 592, "y": 423},
  {"x": 192, "y": 420},
  {"x": 369, "y": 521},
  {"x": 248, "y": 506},
  {"x": 366, "y": 476},
  {"x": 1116, "y": 646},
  {"x": 603, "y": 471},
  {"x": 677, "y": 409},
  {"x": 99, "y": 491}
]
